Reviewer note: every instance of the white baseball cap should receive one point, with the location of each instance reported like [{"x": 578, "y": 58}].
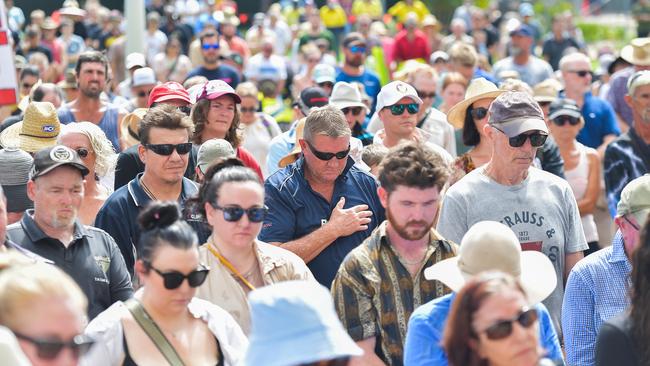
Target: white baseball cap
[
  {"x": 392, "y": 92},
  {"x": 143, "y": 76},
  {"x": 135, "y": 59}
]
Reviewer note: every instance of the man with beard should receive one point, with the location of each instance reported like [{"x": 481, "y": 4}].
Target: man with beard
[
  {"x": 628, "y": 157},
  {"x": 353, "y": 69},
  {"x": 92, "y": 71},
  {"x": 212, "y": 68},
  {"x": 381, "y": 282},
  {"x": 52, "y": 230}
]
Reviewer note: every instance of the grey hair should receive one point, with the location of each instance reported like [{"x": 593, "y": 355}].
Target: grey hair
[
  {"x": 105, "y": 156},
  {"x": 573, "y": 57},
  {"x": 327, "y": 121}
]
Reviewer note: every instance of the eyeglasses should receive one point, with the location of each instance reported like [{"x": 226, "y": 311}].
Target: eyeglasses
[
  {"x": 247, "y": 110},
  {"x": 634, "y": 226},
  {"x": 581, "y": 73},
  {"x": 210, "y": 46},
  {"x": 503, "y": 329},
  {"x": 562, "y": 120},
  {"x": 174, "y": 279},
  {"x": 355, "y": 110},
  {"x": 235, "y": 213},
  {"x": 48, "y": 349},
  {"x": 398, "y": 109},
  {"x": 143, "y": 93},
  {"x": 326, "y": 156},
  {"x": 478, "y": 113},
  {"x": 168, "y": 149},
  {"x": 536, "y": 139},
  {"x": 425, "y": 95},
  {"x": 82, "y": 152},
  {"x": 358, "y": 49}
]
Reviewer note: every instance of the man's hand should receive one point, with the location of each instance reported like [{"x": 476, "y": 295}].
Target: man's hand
[{"x": 347, "y": 221}]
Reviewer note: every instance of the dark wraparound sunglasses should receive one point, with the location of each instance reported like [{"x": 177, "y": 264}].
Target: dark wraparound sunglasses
[
  {"x": 235, "y": 213},
  {"x": 48, "y": 349},
  {"x": 536, "y": 139},
  {"x": 328, "y": 155},
  {"x": 562, "y": 120},
  {"x": 478, "y": 113},
  {"x": 174, "y": 279},
  {"x": 503, "y": 328},
  {"x": 168, "y": 149},
  {"x": 425, "y": 95},
  {"x": 355, "y": 110},
  {"x": 398, "y": 109},
  {"x": 247, "y": 110},
  {"x": 581, "y": 73}
]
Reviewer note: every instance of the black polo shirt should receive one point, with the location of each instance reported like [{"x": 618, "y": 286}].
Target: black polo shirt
[{"x": 93, "y": 260}]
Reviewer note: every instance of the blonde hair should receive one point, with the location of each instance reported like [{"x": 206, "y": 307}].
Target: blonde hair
[
  {"x": 105, "y": 155},
  {"x": 247, "y": 89},
  {"x": 454, "y": 78}
]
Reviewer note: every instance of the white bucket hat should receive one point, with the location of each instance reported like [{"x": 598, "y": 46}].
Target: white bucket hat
[
  {"x": 489, "y": 246},
  {"x": 346, "y": 95}
]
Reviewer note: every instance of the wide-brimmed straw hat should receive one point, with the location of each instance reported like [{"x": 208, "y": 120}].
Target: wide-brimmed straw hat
[
  {"x": 293, "y": 155},
  {"x": 131, "y": 124},
  {"x": 39, "y": 128},
  {"x": 637, "y": 52},
  {"x": 490, "y": 246},
  {"x": 479, "y": 88}
]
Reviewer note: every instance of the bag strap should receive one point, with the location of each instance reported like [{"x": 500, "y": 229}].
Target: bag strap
[{"x": 155, "y": 334}]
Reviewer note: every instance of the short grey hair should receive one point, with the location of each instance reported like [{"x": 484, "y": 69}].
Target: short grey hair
[
  {"x": 328, "y": 121},
  {"x": 573, "y": 57}
]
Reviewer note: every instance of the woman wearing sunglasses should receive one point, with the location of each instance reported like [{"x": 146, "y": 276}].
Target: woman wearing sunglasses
[
  {"x": 215, "y": 115},
  {"x": 46, "y": 311},
  {"x": 96, "y": 152},
  {"x": 491, "y": 323},
  {"x": 164, "y": 321},
  {"x": 232, "y": 201},
  {"x": 581, "y": 164}
]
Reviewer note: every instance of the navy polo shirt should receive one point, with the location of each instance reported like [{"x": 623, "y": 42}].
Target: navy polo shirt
[
  {"x": 296, "y": 210},
  {"x": 600, "y": 121},
  {"x": 119, "y": 215}
]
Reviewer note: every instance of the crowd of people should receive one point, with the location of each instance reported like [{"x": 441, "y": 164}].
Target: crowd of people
[{"x": 339, "y": 184}]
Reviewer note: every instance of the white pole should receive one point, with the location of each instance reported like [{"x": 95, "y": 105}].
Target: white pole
[{"x": 135, "y": 26}]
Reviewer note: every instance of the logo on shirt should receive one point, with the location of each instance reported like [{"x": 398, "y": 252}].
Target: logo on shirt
[{"x": 103, "y": 262}]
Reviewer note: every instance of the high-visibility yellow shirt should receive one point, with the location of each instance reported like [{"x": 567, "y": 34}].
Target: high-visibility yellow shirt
[
  {"x": 333, "y": 17},
  {"x": 372, "y": 8},
  {"x": 401, "y": 9}
]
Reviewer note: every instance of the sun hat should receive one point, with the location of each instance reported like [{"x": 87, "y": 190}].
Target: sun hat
[
  {"x": 430, "y": 20},
  {"x": 49, "y": 24},
  {"x": 439, "y": 56},
  {"x": 143, "y": 76},
  {"x": 170, "y": 90},
  {"x": 345, "y": 95},
  {"x": 135, "y": 59},
  {"x": 324, "y": 73},
  {"x": 546, "y": 91},
  {"x": 479, "y": 88},
  {"x": 392, "y": 92},
  {"x": 295, "y": 152},
  {"x": 15, "y": 165},
  {"x": 39, "y": 128},
  {"x": 639, "y": 78},
  {"x": 488, "y": 246},
  {"x": 515, "y": 113},
  {"x": 637, "y": 52},
  {"x": 635, "y": 199},
  {"x": 214, "y": 89},
  {"x": 564, "y": 107},
  {"x": 294, "y": 323},
  {"x": 211, "y": 150},
  {"x": 130, "y": 126},
  {"x": 50, "y": 158}
]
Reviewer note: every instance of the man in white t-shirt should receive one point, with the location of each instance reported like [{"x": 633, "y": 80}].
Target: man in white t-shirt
[
  {"x": 266, "y": 65},
  {"x": 538, "y": 206}
]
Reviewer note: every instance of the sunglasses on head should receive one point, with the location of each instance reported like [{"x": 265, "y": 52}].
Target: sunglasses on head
[
  {"x": 82, "y": 152},
  {"x": 562, "y": 120},
  {"x": 235, "y": 213},
  {"x": 478, "y": 113},
  {"x": 328, "y": 155},
  {"x": 536, "y": 139},
  {"x": 210, "y": 46},
  {"x": 48, "y": 349},
  {"x": 503, "y": 329},
  {"x": 168, "y": 149},
  {"x": 581, "y": 73},
  {"x": 355, "y": 110},
  {"x": 357, "y": 49},
  {"x": 398, "y": 109},
  {"x": 247, "y": 110},
  {"x": 425, "y": 95},
  {"x": 174, "y": 279}
]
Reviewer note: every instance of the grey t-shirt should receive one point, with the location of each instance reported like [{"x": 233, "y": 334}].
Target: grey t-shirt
[
  {"x": 541, "y": 210},
  {"x": 532, "y": 73}
]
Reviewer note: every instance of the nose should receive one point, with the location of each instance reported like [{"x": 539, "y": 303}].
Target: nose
[{"x": 66, "y": 358}]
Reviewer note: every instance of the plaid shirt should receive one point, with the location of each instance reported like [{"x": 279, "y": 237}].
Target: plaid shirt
[
  {"x": 374, "y": 293},
  {"x": 597, "y": 290}
]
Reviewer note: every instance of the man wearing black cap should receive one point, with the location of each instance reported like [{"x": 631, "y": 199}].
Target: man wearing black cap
[
  {"x": 52, "y": 230},
  {"x": 353, "y": 69}
]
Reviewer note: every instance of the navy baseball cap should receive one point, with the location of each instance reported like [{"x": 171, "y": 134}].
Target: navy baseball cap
[{"x": 522, "y": 30}]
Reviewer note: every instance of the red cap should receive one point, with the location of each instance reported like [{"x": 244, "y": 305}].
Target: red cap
[{"x": 170, "y": 90}]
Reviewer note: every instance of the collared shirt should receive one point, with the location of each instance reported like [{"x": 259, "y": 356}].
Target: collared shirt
[
  {"x": 118, "y": 216},
  {"x": 426, "y": 327},
  {"x": 375, "y": 294},
  {"x": 600, "y": 121},
  {"x": 223, "y": 289},
  {"x": 31, "y": 255},
  {"x": 596, "y": 290},
  {"x": 296, "y": 210},
  {"x": 617, "y": 93},
  {"x": 92, "y": 259}
]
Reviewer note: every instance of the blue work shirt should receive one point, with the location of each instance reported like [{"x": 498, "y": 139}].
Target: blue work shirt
[
  {"x": 296, "y": 210},
  {"x": 369, "y": 80},
  {"x": 423, "y": 346},
  {"x": 600, "y": 121}
]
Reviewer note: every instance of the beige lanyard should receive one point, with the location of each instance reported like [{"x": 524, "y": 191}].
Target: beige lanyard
[{"x": 228, "y": 265}]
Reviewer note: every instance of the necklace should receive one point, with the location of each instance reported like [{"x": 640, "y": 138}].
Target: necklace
[{"x": 147, "y": 190}]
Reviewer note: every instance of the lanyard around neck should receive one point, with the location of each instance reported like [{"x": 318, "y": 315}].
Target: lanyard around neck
[{"x": 225, "y": 262}]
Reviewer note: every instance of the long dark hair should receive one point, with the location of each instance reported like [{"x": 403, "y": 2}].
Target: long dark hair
[
  {"x": 471, "y": 136},
  {"x": 640, "y": 293},
  {"x": 200, "y": 118}
]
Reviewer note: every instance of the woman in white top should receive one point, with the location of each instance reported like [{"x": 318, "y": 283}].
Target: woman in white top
[
  {"x": 581, "y": 164},
  {"x": 258, "y": 128},
  {"x": 172, "y": 64}
]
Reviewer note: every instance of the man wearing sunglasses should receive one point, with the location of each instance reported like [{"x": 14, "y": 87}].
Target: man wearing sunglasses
[
  {"x": 538, "y": 206},
  {"x": 53, "y": 230},
  {"x": 347, "y": 98},
  {"x": 212, "y": 67},
  {"x": 142, "y": 83},
  {"x": 353, "y": 69},
  {"x": 322, "y": 206},
  {"x": 598, "y": 287}
]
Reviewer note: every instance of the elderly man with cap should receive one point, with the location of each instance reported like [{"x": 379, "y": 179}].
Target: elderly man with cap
[
  {"x": 15, "y": 165},
  {"x": 487, "y": 246},
  {"x": 538, "y": 206},
  {"x": 628, "y": 157},
  {"x": 142, "y": 83},
  {"x": 53, "y": 231},
  {"x": 598, "y": 287},
  {"x": 353, "y": 69}
]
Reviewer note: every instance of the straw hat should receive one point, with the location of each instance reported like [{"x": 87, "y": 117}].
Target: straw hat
[
  {"x": 295, "y": 152},
  {"x": 637, "y": 52},
  {"x": 547, "y": 91},
  {"x": 130, "y": 125},
  {"x": 39, "y": 128},
  {"x": 478, "y": 89},
  {"x": 49, "y": 24}
]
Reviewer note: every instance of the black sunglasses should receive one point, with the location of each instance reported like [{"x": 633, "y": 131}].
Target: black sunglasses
[
  {"x": 425, "y": 95},
  {"x": 235, "y": 213},
  {"x": 174, "y": 279},
  {"x": 478, "y": 113},
  {"x": 82, "y": 152},
  {"x": 168, "y": 149},
  {"x": 143, "y": 94},
  {"x": 398, "y": 109},
  {"x": 355, "y": 110},
  {"x": 48, "y": 349},
  {"x": 186, "y": 109},
  {"x": 247, "y": 110},
  {"x": 503, "y": 329},
  {"x": 328, "y": 155},
  {"x": 562, "y": 120},
  {"x": 536, "y": 139},
  {"x": 581, "y": 73}
]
